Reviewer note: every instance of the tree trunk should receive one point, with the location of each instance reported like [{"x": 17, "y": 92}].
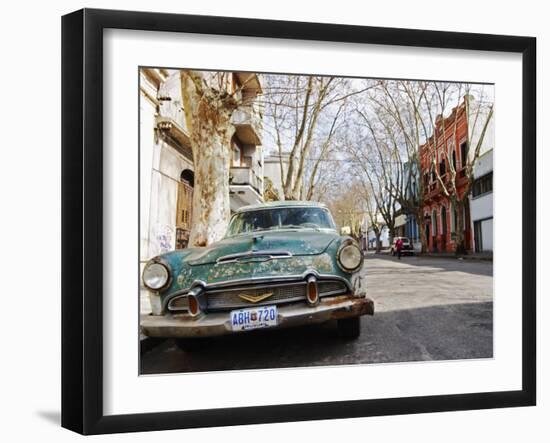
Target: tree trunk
[
  {"x": 378, "y": 242},
  {"x": 422, "y": 228},
  {"x": 460, "y": 224},
  {"x": 211, "y": 210},
  {"x": 391, "y": 235},
  {"x": 208, "y": 117}
]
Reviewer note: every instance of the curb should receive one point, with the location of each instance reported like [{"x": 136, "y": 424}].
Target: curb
[
  {"x": 458, "y": 257},
  {"x": 450, "y": 256}
]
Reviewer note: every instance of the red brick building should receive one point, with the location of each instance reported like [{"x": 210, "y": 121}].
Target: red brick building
[{"x": 440, "y": 216}]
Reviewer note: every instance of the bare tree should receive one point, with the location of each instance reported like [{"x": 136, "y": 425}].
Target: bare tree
[
  {"x": 404, "y": 119},
  {"x": 304, "y": 115},
  {"x": 318, "y": 171},
  {"x": 348, "y": 208},
  {"x": 375, "y": 166},
  {"x": 390, "y": 116},
  {"x": 209, "y": 101},
  {"x": 456, "y": 184},
  {"x": 373, "y": 215}
]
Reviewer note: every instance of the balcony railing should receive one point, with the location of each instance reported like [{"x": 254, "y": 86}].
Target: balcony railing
[
  {"x": 171, "y": 119},
  {"x": 248, "y": 124},
  {"x": 243, "y": 175}
]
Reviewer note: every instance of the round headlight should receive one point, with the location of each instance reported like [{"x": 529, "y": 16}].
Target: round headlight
[
  {"x": 350, "y": 257},
  {"x": 155, "y": 276}
]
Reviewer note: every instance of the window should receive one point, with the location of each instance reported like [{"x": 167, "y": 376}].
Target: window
[
  {"x": 454, "y": 160},
  {"x": 452, "y": 218},
  {"x": 444, "y": 220},
  {"x": 483, "y": 185},
  {"x": 236, "y": 153},
  {"x": 184, "y": 208},
  {"x": 280, "y": 218},
  {"x": 434, "y": 222},
  {"x": 442, "y": 168},
  {"x": 463, "y": 154},
  {"x": 188, "y": 177}
]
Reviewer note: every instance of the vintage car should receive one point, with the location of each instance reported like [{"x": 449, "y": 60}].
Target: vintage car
[{"x": 280, "y": 264}]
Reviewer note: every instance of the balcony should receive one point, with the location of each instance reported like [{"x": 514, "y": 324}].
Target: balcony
[
  {"x": 248, "y": 124},
  {"x": 244, "y": 175},
  {"x": 245, "y": 185},
  {"x": 249, "y": 81},
  {"x": 433, "y": 191},
  {"x": 171, "y": 122}
]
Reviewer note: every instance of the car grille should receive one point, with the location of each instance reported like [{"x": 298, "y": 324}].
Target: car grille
[
  {"x": 232, "y": 298},
  {"x": 226, "y": 299}
]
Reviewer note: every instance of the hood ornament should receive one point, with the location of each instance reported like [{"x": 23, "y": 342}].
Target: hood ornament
[{"x": 255, "y": 298}]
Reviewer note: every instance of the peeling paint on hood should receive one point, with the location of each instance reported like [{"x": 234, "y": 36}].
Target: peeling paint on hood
[{"x": 302, "y": 242}]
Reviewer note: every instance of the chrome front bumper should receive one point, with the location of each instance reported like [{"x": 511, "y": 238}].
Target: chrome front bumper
[{"x": 218, "y": 323}]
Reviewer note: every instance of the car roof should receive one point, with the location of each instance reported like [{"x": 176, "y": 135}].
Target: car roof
[{"x": 282, "y": 204}]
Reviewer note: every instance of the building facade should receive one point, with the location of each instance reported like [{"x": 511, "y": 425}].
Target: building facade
[
  {"x": 452, "y": 134},
  {"x": 166, "y": 158},
  {"x": 273, "y": 164},
  {"x": 384, "y": 238},
  {"x": 369, "y": 242},
  {"x": 481, "y": 203},
  {"x": 246, "y": 176},
  {"x": 411, "y": 230},
  {"x": 400, "y": 225}
]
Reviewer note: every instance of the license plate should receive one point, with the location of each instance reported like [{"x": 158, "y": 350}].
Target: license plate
[{"x": 253, "y": 318}]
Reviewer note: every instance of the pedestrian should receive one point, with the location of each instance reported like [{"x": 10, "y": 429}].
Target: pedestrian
[{"x": 399, "y": 247}]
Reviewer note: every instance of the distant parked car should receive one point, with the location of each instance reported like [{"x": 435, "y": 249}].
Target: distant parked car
[{"x": 407, "y": 246}]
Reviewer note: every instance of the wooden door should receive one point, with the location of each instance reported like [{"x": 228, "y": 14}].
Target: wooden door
[{"x": 183, "y": 214}]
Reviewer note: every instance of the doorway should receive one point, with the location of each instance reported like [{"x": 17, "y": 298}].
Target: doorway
[
  {"x": 184, "y": 208},
  {"x": 443, "y": 228},
  {"x": 478, "y": 236}
]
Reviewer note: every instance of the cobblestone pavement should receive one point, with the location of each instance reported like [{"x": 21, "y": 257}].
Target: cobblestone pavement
[{"x": 425, "y": 309}]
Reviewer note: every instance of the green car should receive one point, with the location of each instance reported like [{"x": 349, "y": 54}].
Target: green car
[{"x": 280, "y": 264}]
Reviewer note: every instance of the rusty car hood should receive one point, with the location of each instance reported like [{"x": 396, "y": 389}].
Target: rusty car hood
[
  {"x": 311, "y": 250},
  {"x": 294, "y": 242}
]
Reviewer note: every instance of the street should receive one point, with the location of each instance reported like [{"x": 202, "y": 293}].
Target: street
[{"x": 425, "y": 309}]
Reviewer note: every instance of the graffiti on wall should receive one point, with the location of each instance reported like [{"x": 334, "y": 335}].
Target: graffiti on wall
[{"x": 164, "y": 238}]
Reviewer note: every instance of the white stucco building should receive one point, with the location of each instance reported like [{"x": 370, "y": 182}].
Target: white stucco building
[
  {"x": 272, "y": 170},
  {"x": 481, "y": 203},
  {"x": 481, "y": 197},
  {"x": 371, "y": 236},
  {"x": 166, "y": 160}
]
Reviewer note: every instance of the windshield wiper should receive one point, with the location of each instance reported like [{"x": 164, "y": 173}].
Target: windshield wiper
[{"x": 303, "y": 226}]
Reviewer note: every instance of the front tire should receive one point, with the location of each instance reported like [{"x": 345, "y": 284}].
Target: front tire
[{"x": 349, "y": 327}]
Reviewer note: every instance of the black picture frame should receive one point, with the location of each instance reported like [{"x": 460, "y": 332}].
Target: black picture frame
[{"x": 82, "y": 216}]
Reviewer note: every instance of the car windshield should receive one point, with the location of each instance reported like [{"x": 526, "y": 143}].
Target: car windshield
[{"x": 280, "y": 218}]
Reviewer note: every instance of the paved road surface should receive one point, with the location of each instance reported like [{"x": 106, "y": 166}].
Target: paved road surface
[{"x": 426, "y": 309}]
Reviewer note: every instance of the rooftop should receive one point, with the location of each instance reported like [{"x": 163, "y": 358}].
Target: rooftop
[{"x": 282, "y": 204}]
